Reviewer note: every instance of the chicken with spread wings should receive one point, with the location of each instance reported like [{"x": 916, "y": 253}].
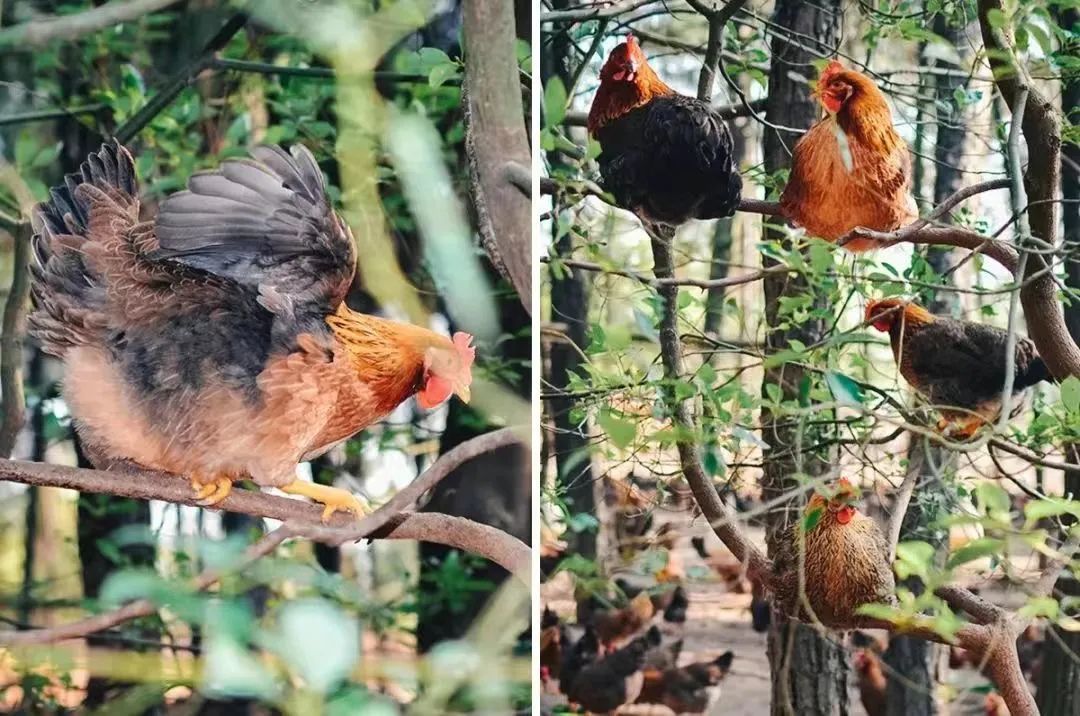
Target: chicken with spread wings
[
  {"x": 214, "y": 341},
  {"x": 959, "y": 366}
]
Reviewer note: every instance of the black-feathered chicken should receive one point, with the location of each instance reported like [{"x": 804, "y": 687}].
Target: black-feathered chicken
[{"x": 665, "y": 156}]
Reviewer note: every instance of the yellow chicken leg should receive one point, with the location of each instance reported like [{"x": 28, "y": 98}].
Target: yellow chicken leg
[
  {"x": 211, "y": 492},
  {"x": 332, "y": 498}
]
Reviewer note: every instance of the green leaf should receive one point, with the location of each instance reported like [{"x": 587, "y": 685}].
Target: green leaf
[
  {"x": 1040, "y": 607},
  {"x": 439, "y": 74},
  {"x": 812, "y": 518},
  {"x": 319, "y": 641},
  {"x": 1036, "y": 510},
  {"x": 976, "y": 549},
  {"x": 622, "y": 432},
  {"x": 996, "y": 18},
  {"x": 913, "y": 558},
  {"x": 232, "y": 670},
  {"x": 992, "y": 498},
  {"x": 1070, "y": 394},
  {"x": 844, "y": 390},
  {"x": 554, "y": 101}
]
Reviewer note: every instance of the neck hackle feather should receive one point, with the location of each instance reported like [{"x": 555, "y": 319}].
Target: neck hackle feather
[{"x": 618, "y": 95}]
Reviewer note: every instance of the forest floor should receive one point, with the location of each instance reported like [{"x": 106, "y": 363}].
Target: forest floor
[{"x": 718, "y": 619}]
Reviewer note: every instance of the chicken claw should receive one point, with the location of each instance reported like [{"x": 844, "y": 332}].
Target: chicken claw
[
  {"x": 211, "y": 493},
  {"x": 332, "y": 498}
]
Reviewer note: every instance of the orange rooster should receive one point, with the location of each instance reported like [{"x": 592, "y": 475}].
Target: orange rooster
[
  {"x": 851, "y": 169},
  {"x": 665, "y": 156},
  {"x": 959, "y": 366},
  {"x": 845, "y": 564},
  {"x": 214, "y": 341}
]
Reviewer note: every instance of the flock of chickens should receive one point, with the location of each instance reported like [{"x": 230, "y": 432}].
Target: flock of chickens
[{"x": 668, "y": 158}]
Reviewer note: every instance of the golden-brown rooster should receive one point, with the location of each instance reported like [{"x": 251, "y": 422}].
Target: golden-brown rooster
[
  {"x": 845, "y": 561},
  {"x": 665, "y": 156},
  {"x": 959, "y": 366},
  {"x": 851, "y": 169},
  {"x": 214, "y": 341}
]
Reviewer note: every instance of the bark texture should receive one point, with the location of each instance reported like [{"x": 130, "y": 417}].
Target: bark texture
[{"x": 809, "y": 672}]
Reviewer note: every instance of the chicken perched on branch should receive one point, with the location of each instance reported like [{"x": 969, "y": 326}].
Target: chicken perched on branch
[
  {"x": 851, "y": 169},
  {"x": 214, "y": 342},
  {"x": 844, "y": 561},
  {"x": 959, "y": 366},
  {"x": 665, "y": 156}
]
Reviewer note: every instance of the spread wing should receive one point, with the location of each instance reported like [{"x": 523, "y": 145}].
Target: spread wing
[
  {"x": 264, "y": 223},
  {"x": 962, "y": 363}
]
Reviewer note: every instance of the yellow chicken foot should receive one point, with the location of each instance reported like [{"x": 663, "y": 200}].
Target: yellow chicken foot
[
  {"x": 332, "y": 498},
  {"x": 211, "y": 492}
]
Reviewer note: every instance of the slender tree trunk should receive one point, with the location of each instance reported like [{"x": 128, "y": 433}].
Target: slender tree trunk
[
  {"x": 569, "y": 310},
  {"x": 809, "y": 671},
  {"x": 914, "y": 663},
  {"x": 1059, "y": 683}
]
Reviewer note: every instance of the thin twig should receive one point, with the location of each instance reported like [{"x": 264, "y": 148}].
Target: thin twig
[{"x": 71, "y": 27}]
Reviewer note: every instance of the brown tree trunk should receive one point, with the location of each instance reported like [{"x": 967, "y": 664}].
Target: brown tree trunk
[
  {"x": 569, "y": 310},
  {"x": 809, "y": 671},
  {"x": 1059, "y": 683}
]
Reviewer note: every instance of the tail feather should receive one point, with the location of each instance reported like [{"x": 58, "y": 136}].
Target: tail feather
[{"x": 68, "y": 297}]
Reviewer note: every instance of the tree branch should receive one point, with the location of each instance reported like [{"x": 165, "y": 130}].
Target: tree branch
[
  {"x": 140, "y": 607},
  {"x": 758, "y": 566},
  {"x": 11, "y": 342},
  {"x": 389, "y": 521},
  {"x": 71, "y": 27},
  {"x": 180, "y": 80},
  {"x": 495, "y": 136}
]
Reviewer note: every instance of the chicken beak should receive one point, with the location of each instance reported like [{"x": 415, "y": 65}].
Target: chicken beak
[{"x": 463, "y": 393}]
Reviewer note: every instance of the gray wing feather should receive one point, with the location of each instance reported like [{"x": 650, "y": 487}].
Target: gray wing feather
[{"x": 264, "y": 222}]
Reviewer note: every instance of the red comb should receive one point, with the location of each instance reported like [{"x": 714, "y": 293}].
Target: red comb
[{"x": 630, "y": 39}]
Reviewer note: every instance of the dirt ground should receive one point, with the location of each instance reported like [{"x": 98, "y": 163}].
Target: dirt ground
[{"x": 718, "y": 620}]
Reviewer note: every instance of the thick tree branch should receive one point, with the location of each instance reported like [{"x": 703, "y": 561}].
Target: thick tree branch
[
  {"x": 495, "y": 136},
  {"x": 1042, "y": 135},
  {"x": 11, "y": 342},
  {"x": 389, "y": 521},
  {"x": 71, "y": 27}
]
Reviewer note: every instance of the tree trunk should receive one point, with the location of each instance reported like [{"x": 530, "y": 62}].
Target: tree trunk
[
  {"x": 1059, "y": 683},
  {"x": 809, "y": 671},
  {"x": 914, "y": 662},
  {"x": 569, "y": 310}
]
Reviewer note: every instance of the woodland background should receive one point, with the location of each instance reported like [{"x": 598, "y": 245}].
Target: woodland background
[
  {"x": 375, "y": 90},
  {"x": 782, "y": 387}
]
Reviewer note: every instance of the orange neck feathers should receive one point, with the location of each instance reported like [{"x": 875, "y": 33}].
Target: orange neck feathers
[
  {"x": 387, "y": 355},
  {"x": 886, "y": 313},
  {"x": 626, "y": 83}
]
